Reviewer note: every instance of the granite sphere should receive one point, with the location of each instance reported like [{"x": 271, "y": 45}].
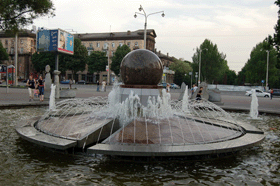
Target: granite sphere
[{"x": 141, "y": 67}]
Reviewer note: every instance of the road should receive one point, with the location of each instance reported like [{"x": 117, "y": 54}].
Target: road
[{"x": 230, "y": 100}]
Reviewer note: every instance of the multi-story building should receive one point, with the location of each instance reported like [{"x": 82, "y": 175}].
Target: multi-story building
[
  {"x": 26, "y": 47},
  {"x": 108, "y": 42}
]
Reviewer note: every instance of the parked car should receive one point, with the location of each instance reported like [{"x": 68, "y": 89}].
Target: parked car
[
  {"x": 163, "y": 85},
  {"x": 174, "y": 86},
  {"x": 259, "y": 93},
  {"x": 276, "y": 92},
  {"x": 65, "y": 82},
  {"x": 81, "y": 82}
]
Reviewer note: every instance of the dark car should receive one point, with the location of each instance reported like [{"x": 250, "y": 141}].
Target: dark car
[
  {"x": 276, "y": 92},
  {"x": 82, "y": 82}
]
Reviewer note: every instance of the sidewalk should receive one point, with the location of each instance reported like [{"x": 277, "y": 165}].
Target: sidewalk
[{"x": 231, "y": 101}]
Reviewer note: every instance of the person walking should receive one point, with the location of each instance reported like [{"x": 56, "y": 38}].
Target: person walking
[
  {"x": 70, "y": 83},
  {"x": 31, "y": 86},
  {"x": 97, "y": 83},
  {"x": 271, "y": 93},
  {"x": 41, "y": 85},
  {"x": 104, "y": 85},
  {"x": 199, "y": 94}
]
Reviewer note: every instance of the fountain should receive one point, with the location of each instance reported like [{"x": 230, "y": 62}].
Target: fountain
[
  {"x": 139, "y": 119},
  {"x": 254, "y": 105}
]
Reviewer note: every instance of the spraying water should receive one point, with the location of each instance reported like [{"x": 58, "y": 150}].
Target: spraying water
[
  {"x": 185, "y": 106},
  {"x": 254, "y": 105},
  {"x": 52, "y": 98}
]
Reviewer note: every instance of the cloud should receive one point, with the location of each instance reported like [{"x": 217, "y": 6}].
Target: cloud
[{"x": 235, "y": 26}]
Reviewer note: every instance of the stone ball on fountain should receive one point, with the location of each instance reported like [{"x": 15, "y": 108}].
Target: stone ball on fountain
[{"x": 141, "y": 67}]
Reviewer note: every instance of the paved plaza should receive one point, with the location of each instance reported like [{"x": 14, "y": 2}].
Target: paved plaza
[{"x": 234, "y": 101}]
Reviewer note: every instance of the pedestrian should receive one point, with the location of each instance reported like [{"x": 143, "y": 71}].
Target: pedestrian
[
  {"x": 271, "y": 93},
  {"x": 41, "y": 85},
  {"x": 31, "y": 87},
  {"x": 97, "y": 83},
  {"x": 70, "y": 83},
  {"x": 199, "y": 94},
  {"x": 168, "y": 87},
  {"x": 104, "y": 85},
  {"x": 194, "y": 88}
]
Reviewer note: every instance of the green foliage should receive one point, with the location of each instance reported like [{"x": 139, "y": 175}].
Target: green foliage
[
  {"x": 255, "y": 69},
  {"x": 213, "y": 63},
  {"x": 276, "y": 36},
  {"x": 40, "y": 60},
  {"x": 76, "y": 62},
  {"x": 3, "y": 53},
  {"x": 15, "y": 14},
  {"x": 181, "y": 69},
  {"x": 97, "y": 62},
  {"x": 118, "y": 57}
]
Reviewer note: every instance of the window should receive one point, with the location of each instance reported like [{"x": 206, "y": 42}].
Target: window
[
  {"x": 97, "y": 44},
  {"x": 83, "y": 77},
  {"x": 105, "y": 45},
  {"x": 113, "y": 45},
  {"x": 12, "y": 50},
  {"x": 21, "y": 41},
  {"x": 121, "y": 44},
  {"x": 112, "y": 53},
  {"x": 128, "y": 44},
  {"x": 7, "y": 50},
  {"x": 136, "y": 43},
  {"x": 21, "y": 50},
  {"x": 6, "y": 42},
  {"x": 90, "y": 45}
]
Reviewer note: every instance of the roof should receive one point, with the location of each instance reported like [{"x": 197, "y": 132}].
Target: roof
[{"x": 138, "y": 34}]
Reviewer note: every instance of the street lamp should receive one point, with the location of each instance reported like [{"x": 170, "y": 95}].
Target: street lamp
[
  {"x": 199, "y": 69},
  {"x": 267, "y": 63},
  {"x": 146, "y": 17}
]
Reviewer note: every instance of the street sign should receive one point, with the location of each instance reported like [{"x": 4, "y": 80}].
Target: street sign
[
  {"x": 196, "y": 75},
  {"x": 262, "y": 81},
  {"x": 107, "y": 68},
  {"x": 190, "y": 73}
]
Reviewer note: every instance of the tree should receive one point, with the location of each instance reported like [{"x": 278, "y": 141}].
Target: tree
[
  {"x": 40, "y": 60},
  {"x": 15, "y": 14},
  {"x": 97, "y": 62},
  {"x": 182, "y": 69},
  {"x": 3, "y": 53},
  {"x": 255, "y": 69},
  {"x": 76, "y": 62},
  {"x": 213, "y": 63},
  {"x": 276, "y": 37},
  {"x": 118, "y": 57}
]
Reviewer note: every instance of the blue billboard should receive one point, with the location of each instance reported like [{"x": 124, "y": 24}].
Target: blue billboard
[{"x": 55, "y": 40}]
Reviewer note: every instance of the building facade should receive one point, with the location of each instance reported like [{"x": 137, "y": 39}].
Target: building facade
[
  {"x": 108, "y": 42},
  {"x": 25, "y": 47}
]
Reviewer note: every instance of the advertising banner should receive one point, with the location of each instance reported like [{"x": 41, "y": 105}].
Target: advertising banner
[{"x": 55, "y": 40}]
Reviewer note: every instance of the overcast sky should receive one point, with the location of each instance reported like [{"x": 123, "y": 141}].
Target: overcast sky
[{"x": 235, "y": 26}]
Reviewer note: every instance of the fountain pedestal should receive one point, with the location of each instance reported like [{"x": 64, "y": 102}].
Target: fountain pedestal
[{"x": 144, "y": 92}]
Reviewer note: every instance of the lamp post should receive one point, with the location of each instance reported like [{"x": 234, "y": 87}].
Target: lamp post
[
  {"x": 199, "y": 69},
  {"x": 267, "y": 63},
  {"x": 146, "y": 17},
  {"x": 266, "y": 82}
]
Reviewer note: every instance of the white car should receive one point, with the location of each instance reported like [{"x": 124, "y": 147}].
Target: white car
[{"x": 259, "y": 93}]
